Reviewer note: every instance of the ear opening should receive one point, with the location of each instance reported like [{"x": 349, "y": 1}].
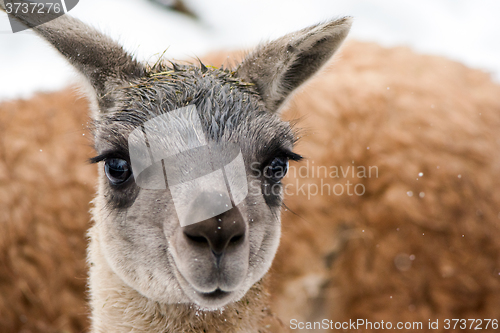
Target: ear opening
[{"x": 281, "y": 66}]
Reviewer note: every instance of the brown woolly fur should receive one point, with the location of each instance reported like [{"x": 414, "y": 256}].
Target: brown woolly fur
[
  {"x": 45, "y": 188},
  {"x": 422, "y": 241}
]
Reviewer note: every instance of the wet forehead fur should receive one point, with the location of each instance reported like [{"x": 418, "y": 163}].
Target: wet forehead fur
[{"x": 229, "y": 109}]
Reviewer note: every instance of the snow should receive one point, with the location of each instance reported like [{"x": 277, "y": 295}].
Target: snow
[{"x": 464, "y": 30}]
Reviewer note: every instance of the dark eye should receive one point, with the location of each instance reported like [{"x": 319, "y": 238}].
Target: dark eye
[
  {"x": 277, "y": 169},
  {"x": 117, "y": 170}
]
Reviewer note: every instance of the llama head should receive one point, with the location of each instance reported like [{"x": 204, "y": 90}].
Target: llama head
[{"x": 189, "y": 197}]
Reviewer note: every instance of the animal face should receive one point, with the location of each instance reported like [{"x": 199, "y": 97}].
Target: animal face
[
  {"x": 216, "y": 260},
  {"x": 163, "y": 228}
]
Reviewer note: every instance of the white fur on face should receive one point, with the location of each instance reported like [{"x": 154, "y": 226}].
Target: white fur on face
[{"x": 141, "y": 245}]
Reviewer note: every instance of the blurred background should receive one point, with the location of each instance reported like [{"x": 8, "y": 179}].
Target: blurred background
[
  {"x": 463, "y": 30},
  {"x": 42, "y": 265}
]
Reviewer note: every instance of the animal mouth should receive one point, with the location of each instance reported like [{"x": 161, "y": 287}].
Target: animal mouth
[{"x": 216, "y": 294}]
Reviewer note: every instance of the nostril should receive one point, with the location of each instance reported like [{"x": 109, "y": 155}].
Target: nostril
[
  {"x": 235, "y": 239},
  {"x": 197, "y": 239}
]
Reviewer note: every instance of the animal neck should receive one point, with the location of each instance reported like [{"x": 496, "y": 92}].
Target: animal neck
[{"x": 116, "y": 307}]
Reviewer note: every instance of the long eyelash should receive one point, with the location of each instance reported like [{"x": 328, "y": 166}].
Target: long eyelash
[
  {"x": 294, "y": 157},
  {"x": 287, "y": 154},
  {"x": 98, "y": 158},
  {"x": 107, "y": 155}
]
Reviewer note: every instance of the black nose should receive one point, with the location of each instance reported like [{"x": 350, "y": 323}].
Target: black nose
[{"x": 219, "y": 233}]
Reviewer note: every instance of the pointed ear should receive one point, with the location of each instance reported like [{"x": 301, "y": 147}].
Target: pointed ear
[
  {"x": 102, "y": 61},
  {"x": 279, "y": 67}
]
